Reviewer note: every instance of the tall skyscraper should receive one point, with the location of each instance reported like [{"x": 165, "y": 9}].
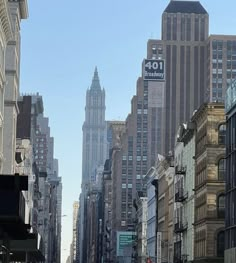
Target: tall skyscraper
[
  {"x": 184, "y": 33},
  {"x": 134, "y": 150},
  {"x": 198, "y": 66},
  {"x": 94, "y": 131},
  {"x": 94, "y": 155}
]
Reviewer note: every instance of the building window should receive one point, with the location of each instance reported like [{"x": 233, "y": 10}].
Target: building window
[
  {"x": 221, "y": 169},
  {"x": 221, "y": 206},
  {"x": 222, "y": 134},
  {"x": 220, "y": 244},
  {"x": 154, "y": 49}
]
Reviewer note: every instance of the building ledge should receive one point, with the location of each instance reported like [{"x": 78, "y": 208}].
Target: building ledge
[{"x": 5, "y": 21}]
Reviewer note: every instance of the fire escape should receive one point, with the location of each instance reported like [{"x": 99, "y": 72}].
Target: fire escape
[{"x": 181, "y": 224}]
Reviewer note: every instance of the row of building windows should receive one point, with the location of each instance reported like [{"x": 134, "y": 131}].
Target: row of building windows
[
  {"x": 202, "y": 212},
  {"x": 201, "y": 246},
  {"x": 231, "y": 213},
  {"x": 231, "y": 168},
  {"x": 39, "y": 151},
  {"x": 202, "y": 139},
  {"x": 230, "y": 238},
  {"x": 40, "y": 157},
  {"x": 40, "y": 139},
  {"x": 201, "y": 175},
  {"x": 218, "y": 44},
  {"x": 124, "y": 186},
  {"x": 140, "y": 111}
]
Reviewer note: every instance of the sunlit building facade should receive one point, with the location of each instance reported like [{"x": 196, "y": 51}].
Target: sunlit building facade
[
  {"x": 209, "y": 222},
  {"x": 17, "y": 11}
]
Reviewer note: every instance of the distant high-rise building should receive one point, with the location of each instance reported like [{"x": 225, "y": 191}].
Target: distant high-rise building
[
  {"x": 94, "y": 131},
  {"x": 134, "y": 150},
  {"x": 221, "y": 65},
  {"x": 94, "y": 155},
  {"x": 75, "y": 231}
]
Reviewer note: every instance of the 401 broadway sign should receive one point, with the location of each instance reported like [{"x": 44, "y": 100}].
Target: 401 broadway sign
[{"x": 154, "y": 69}]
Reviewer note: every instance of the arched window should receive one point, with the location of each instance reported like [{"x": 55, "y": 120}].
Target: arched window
[
  {"x": 222, "y": 134},
  {"x": 221, "y": 206},
  {"x": 220, "y": 244},
  {"x": 221, "y": 169}
]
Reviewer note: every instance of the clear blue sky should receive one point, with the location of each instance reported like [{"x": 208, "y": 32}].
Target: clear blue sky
[{"x": 63, "y": 41}]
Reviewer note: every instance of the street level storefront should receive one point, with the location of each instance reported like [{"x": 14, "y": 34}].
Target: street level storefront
[{"x": 16, "y": 241}]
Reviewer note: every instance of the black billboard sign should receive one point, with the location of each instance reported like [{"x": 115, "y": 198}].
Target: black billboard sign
[{"x": 154, "y": 69}]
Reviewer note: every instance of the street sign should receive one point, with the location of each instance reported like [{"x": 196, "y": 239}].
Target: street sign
[
  {"x": 124, "y": 239},
  {"x": 154, "y": 69}
]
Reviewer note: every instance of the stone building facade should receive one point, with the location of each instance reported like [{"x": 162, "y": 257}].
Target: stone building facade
[
  {"x": 209, "y": 188},
  {"x": 18, "y": 10},
  {"x": 6, "y": 34}
]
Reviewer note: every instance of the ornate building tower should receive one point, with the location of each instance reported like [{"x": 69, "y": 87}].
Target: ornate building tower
[
  {"x": 94, "y": 156},
  {"x": 94, "y": 131}
]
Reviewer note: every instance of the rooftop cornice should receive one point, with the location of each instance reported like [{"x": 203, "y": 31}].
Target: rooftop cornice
[
  {"x": 5, "y": 20},
  {"x": 23, "y": 8},
  {"x": 193, "y": 7}
]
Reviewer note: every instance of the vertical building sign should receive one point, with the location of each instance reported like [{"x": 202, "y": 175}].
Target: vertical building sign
[{"x": 159, "y": 237}]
